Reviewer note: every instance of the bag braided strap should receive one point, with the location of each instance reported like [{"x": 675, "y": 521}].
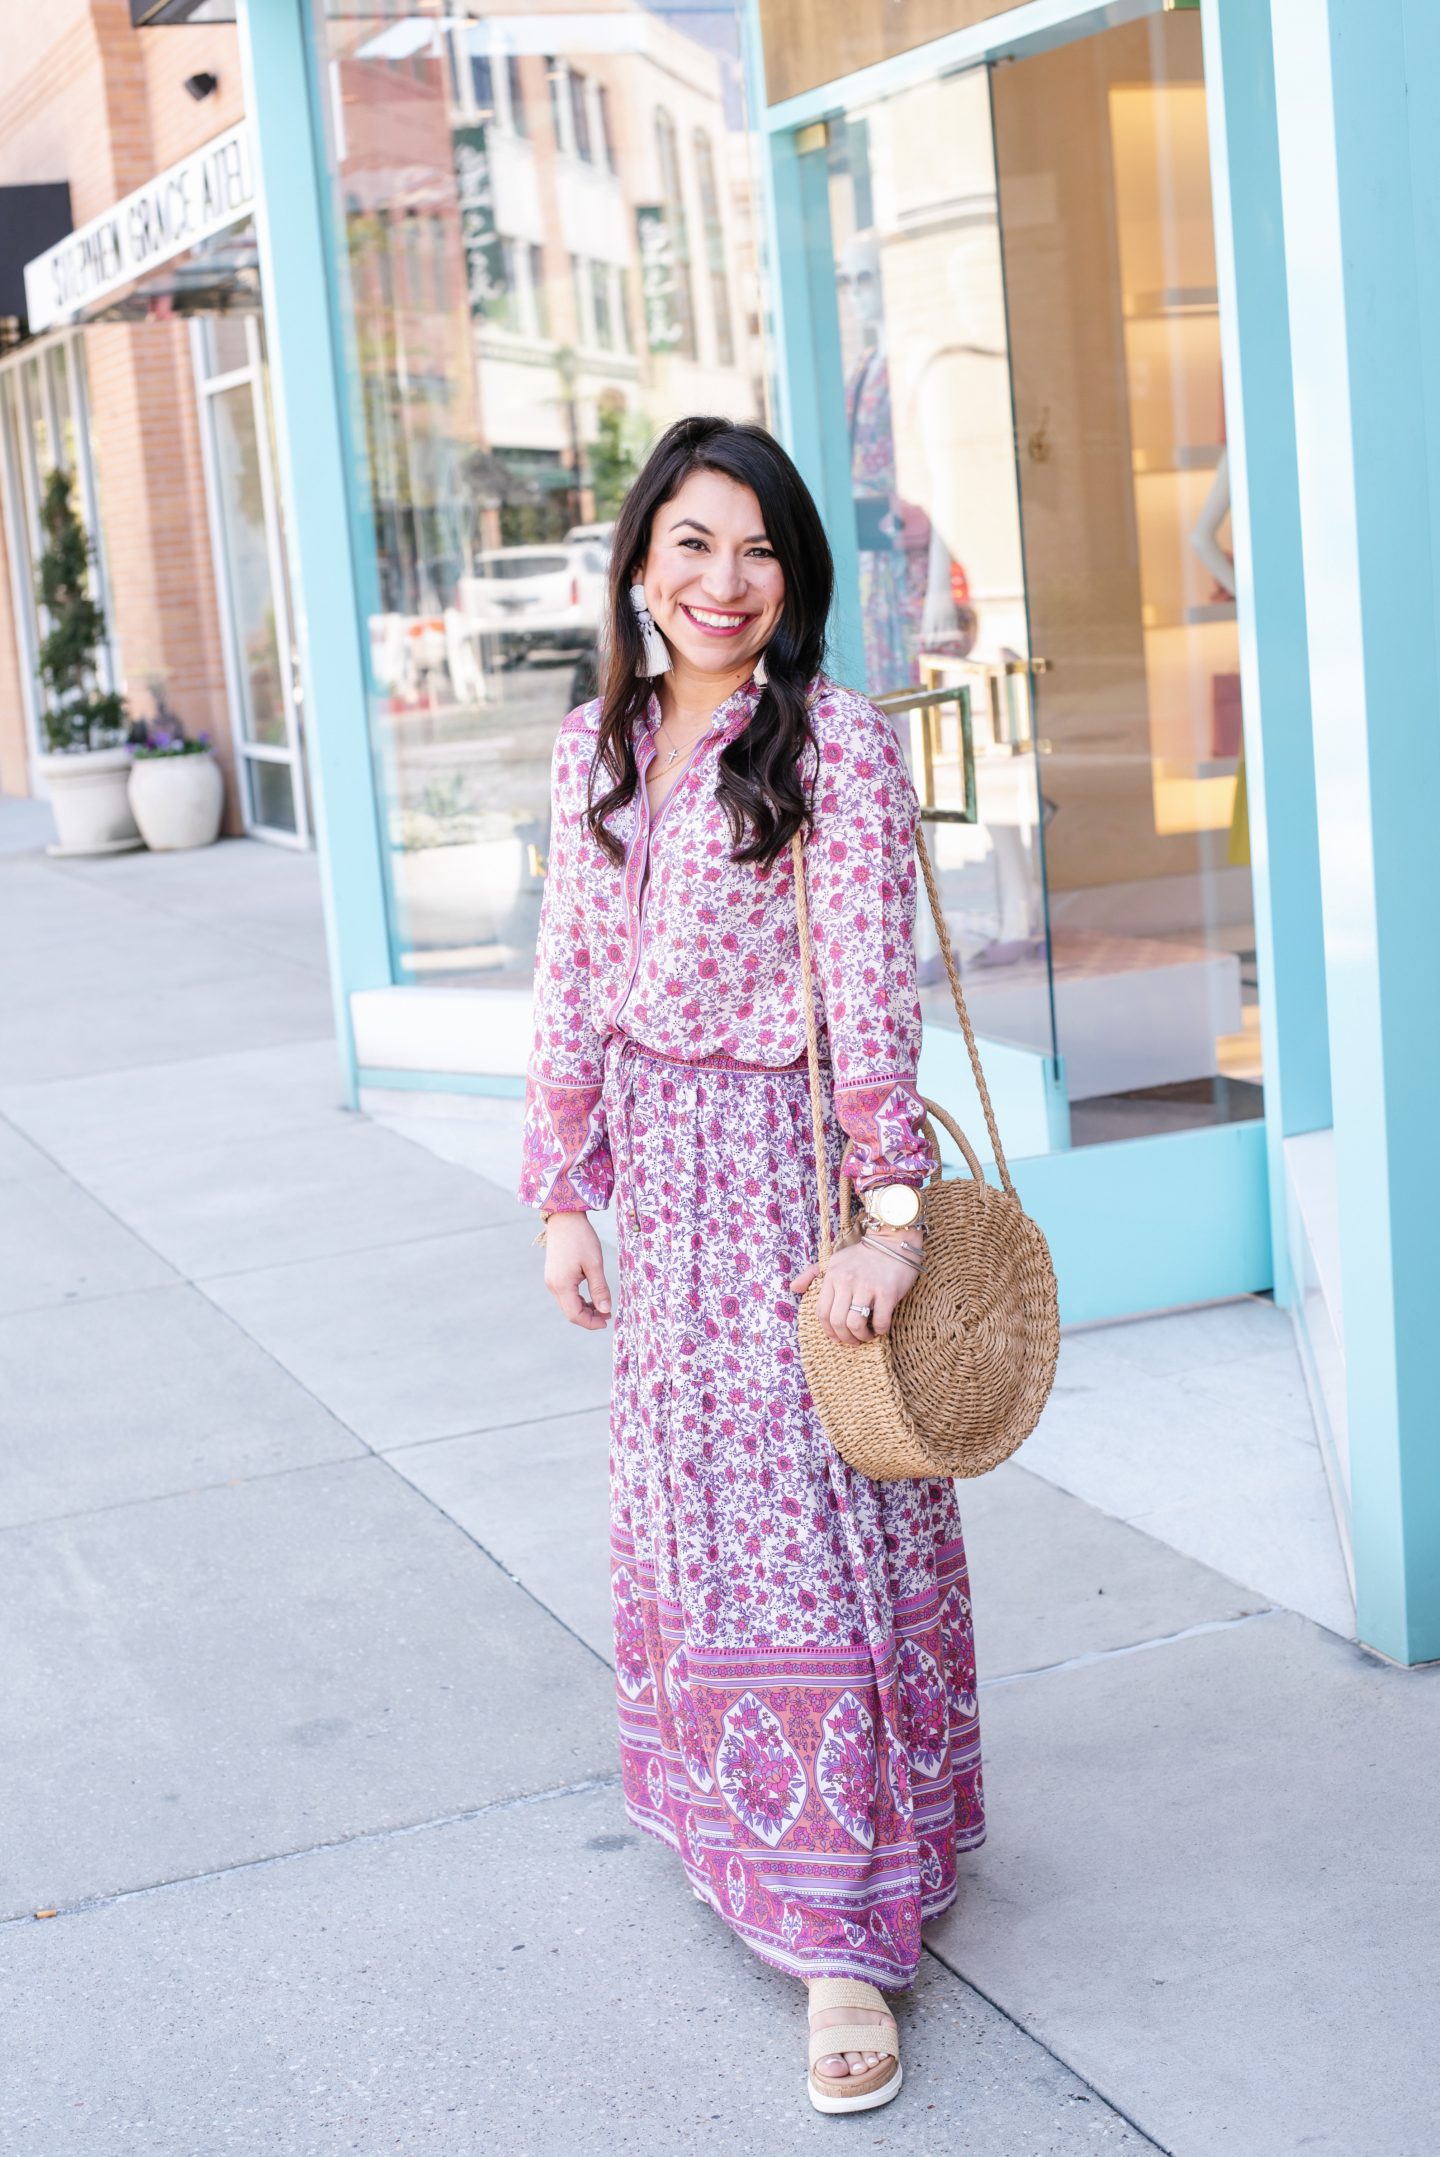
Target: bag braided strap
[{"x": 960, "y": 1380}]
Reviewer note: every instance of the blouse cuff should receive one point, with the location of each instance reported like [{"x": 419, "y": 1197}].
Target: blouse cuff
[
  {"x": 566, "y": 1165},
  {"x": 884, "y": 1120}
]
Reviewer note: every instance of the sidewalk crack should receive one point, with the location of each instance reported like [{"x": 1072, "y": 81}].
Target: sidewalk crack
[
  {"x": 361, "y": 1837},
  {"x": 1135, "y": 1647},
  {"x": 1018, "y": 2022}
]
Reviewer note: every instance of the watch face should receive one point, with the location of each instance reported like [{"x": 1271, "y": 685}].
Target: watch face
[{"x": 896, "y": 1204}]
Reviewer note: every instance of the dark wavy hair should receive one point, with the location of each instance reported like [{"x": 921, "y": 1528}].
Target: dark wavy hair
[{"x": 760, "y": 782}]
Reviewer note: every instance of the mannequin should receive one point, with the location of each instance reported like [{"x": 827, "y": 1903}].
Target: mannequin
[
  {"x": 894, "y": 537},
  {"x": 1205, "y": 539}
]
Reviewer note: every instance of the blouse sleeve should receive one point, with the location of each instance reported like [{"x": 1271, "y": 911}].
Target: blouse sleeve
[
  {"x": 566, "y": 1161},
  {"x": 861, "y": 877}
]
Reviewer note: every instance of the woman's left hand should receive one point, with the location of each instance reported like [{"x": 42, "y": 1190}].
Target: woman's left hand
[{"x": 859, "y": 1274}]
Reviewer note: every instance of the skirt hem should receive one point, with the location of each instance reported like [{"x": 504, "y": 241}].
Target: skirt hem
[{"x": 805, "y": 1969}]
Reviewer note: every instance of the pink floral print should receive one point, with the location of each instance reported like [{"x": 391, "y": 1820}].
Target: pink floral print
[
  {"x": 794, "y": 1661},
  {"x": 709, "y": 966}
]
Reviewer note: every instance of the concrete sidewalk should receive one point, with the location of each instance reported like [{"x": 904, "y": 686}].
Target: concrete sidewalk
[{"x": 308, "y": 1738}]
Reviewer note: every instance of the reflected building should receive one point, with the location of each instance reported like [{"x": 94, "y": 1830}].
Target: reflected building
[{"x": 550, "y": 255}]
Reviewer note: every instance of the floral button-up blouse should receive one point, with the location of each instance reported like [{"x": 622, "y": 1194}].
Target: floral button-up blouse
[{"x": 696, "y": 957}]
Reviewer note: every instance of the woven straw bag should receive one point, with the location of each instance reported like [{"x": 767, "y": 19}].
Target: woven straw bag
[{"x": 960, "y": 1380}]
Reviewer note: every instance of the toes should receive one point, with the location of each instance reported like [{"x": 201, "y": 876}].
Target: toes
[{"x": 835, "y": 2066}]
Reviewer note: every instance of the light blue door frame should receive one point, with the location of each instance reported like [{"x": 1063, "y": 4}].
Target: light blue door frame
[
  {"x": 1269, "y": 573},
  {"x": 330, "y": 562},
  {"x": 1357, "y": 93}
]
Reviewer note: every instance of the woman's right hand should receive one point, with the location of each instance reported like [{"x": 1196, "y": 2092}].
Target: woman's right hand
[{"x": 573, "y": 1257}]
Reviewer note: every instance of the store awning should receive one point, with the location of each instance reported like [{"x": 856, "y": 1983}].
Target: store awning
[
  {"x": 148, "y": 14},
  {"x": 32, "y": 219},
  {"x": 190, "y": 203}
]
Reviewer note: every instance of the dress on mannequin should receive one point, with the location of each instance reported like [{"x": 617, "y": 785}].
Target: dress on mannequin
[
  {"x": 893, "y": 548},
  {"x": 893, "y": 536}
]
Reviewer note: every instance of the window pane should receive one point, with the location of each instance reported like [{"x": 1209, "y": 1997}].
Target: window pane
[
  {"x": 539, "y": 292},
  {"x": 519, "y": 114},
  {"x": 479, "y": 454},
  {"x": 481, "y": 88},
  {"x": 677, "y": 233},
  {"x": 242, "y": 514},
  {"x": 580, "y": 116},
  {"x": 225, "y": 345},
  {"x": 714, "y": 248},
  {"x": 272, "y": 795},
  {"x": 600, "y": 300}
]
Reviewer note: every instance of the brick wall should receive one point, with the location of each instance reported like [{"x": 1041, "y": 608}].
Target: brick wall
[{"x": 86, "y": 98}]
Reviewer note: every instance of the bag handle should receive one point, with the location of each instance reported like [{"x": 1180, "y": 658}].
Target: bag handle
[{"x": 812, "y": 1042}]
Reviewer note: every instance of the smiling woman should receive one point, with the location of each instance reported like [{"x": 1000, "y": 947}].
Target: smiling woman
[
  {"x": 794, "y": 1660},
  {"x": 693, "y": 541}
]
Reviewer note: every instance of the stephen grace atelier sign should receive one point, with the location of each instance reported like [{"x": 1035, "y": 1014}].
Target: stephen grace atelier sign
[{"x": 205, "y": 192}]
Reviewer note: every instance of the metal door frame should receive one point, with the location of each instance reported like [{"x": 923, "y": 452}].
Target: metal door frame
[{"x": 248, "y": 752}]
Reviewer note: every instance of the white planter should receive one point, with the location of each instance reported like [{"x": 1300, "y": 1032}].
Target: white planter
[
  {"x": 89, "y": 793},
  {"x": 178, "y": 800}
]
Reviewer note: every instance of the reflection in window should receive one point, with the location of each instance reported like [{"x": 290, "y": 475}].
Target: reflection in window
[
  {"x": 580, "y": 116},
  {"x": 539, "y": 293},
  {"x": 502, "y": 310},
  {"x": 580, "y": 286},
  {"x": 714, "y": 249},
  {"x": 600, "y": 298},
  {"x": 481, "y": 88},
  {"x": 511, "y": 407},
  {"x": 672, "y": 202},
  {"x": 414, "y": 262},
  {"x": 518, "y": 116},
  {"x": 557, "y": 75}
]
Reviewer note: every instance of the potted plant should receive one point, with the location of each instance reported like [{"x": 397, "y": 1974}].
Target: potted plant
[
  {"x": 87, "y": 770},
  {"x": 177, "y": 790}
]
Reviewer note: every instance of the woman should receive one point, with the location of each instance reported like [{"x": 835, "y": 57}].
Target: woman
[{"x": 794, "y": 1667}]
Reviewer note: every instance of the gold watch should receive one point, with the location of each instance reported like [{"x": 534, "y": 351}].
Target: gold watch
[{"x": 894, "y": 1205}]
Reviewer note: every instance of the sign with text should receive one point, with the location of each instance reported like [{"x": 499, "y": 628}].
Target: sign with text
[
  {"x": 475, "y": 190},
  {"x": 212, "y": 188},
  {"x": 659, "y": 285}
]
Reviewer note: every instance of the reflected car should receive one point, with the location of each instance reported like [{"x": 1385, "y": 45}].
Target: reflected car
[{"x": 537, "y": 598}]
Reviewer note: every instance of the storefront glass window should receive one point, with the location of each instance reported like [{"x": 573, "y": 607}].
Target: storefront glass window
[
  {"x": 252, "y": 584},
  {"x": 43, "y": 422},
  {"x": 547, "y": 160},
  {"x": 1030, "y": 343}
]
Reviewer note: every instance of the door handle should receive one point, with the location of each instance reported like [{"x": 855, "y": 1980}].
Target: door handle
[{"x": 923, "y": 706}]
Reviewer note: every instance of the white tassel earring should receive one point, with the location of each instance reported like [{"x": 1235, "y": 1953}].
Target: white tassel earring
[
  {"x": 657, "y": 655},
  {"x": 760, "y": 675}
]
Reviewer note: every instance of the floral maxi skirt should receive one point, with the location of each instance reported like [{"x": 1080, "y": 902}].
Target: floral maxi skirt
[{"x": 794, "y": 1656}]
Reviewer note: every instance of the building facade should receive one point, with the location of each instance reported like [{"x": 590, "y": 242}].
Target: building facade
[
  {"x": 157, "y": 410},
  {"x": 1104, "y": 334}
]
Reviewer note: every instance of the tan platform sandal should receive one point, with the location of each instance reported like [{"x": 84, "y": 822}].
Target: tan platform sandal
[{"x": 852, "y": 2093}]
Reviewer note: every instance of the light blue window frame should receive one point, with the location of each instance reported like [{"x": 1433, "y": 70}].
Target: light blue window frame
[
  {"x": 1216, "y": 1231},
  {"x": 1144, "y": 1223}
]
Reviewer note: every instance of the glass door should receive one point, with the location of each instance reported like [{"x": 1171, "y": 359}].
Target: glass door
[
  {"x": 260, "y": 670},
  {"x": 1029, "y": 340},
  {"x": 928, "y": 416},
  {"x": 1102, "y": 157}
]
